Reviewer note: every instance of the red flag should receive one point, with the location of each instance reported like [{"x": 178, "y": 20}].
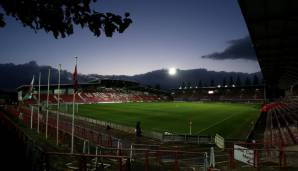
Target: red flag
[{"x": 75, "y": 80}]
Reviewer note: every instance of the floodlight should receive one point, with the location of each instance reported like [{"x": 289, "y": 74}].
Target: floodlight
[{"x": 172, "y": 71}]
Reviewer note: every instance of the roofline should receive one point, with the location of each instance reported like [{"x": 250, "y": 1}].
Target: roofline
[{"x": 43, "y": 85}]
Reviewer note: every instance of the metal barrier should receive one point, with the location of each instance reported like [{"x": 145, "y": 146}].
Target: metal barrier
[
  {"x": 95, "y": 150},
  {"x": 191, "y": 139},
  {"x": 108, "y": 152}
]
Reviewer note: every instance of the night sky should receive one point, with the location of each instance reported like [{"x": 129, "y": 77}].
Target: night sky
[{"x": 186, "y": 34}]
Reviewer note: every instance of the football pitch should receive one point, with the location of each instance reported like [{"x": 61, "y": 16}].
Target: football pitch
[{"x": 230, "y": 120}]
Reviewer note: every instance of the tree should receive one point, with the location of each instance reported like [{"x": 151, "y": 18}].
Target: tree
[
  {"x": 256, "y": 80},
  {"x": 60, "y": 16},
  {"x": 183, "y": 84},
  {"x": 231, "y": 81},
  {"x": 238, "y": 81},
  {"x": 157, "y": 86},
  {"x": 200, "y": 84},
  {"x": 188, "y": 84},
  {"x": 212, "y": 83},
  {"x": 224, "y": 82},
  {"x": 247, "y": 81}
]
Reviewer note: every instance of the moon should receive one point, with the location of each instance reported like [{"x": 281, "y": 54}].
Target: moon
[{"x": 172, "y": 71}]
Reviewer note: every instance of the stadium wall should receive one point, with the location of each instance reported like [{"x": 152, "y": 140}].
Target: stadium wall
[
  {"x": 130, "y": 130},
  {"x": 184, "y": 138}
]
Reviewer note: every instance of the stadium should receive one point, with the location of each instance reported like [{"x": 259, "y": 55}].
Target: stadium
[
  {"x": 113, "y": 124},
  {"x": 108, "y": 100}
]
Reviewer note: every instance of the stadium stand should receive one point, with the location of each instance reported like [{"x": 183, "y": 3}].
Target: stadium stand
[
  {"x": 94, "y": 93},
  {"x": 274, "y": 35},
  {"x": 281, "y": 124},
  {"x": 232, "y": 94}
]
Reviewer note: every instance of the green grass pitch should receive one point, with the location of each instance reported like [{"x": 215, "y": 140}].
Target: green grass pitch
[{"x": 228, "y": 119}]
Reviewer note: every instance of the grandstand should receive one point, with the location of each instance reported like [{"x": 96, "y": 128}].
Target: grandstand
[
  {"x": 227, "y": 93},
  {"x": 281, "y": 124},
  {"x": 100, "y": 91},
  {"x": 273, "y": 30}
]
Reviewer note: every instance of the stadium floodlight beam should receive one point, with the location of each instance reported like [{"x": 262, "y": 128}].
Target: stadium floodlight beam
[{"x": 172, "y": 71}]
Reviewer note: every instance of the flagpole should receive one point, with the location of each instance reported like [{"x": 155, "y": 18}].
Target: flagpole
[
  {"x": 58, "y": 106},
  {"x": 73, "y": 111},
  {"x": 48, "y": 94},
  {"x": 38, "y": 102},
  {"x": 31, "y": 119},
  {"x": 31, "y": 122}
]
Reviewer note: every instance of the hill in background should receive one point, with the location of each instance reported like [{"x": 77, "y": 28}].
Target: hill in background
[{"x": 13, "y": 76}]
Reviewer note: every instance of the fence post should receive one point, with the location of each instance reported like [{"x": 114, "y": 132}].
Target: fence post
[
  {"x": 120, "y": 164},
  {"x": 83, "y": 163},
  {"x": 285, "y": 159},
  {"x": 256, "y": 159},
  {"x": 146, "y": 160},
  {"x": 88, "y": 149},
  {"x": 212, "y": 158},
  {"x": 84, "y": 146},
  {"x": 118, "y": 147},
  {"x": 128, "y": 165},
  {"x": 46, "y": 157},
  {"x": 176, "y": 162},
  {"x": 282, "y": 157},
  {"x": 205, "y": 161},
  {"x": 158, "y": 157},
  {"x": 101, "y": 158},
  {"x": 96, "y": 158},
  {"x": 231, "y": 159},
  {"x": 130, "y": 154}
]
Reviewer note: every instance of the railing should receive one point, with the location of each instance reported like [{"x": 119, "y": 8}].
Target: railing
[{"x": 90, "y": 155}]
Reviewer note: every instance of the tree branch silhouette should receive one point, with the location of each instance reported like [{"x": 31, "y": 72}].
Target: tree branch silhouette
[{"x": 60, "y": 17}]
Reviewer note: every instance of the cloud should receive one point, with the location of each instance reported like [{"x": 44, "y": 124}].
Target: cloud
[{"x": 237, "y": 49}]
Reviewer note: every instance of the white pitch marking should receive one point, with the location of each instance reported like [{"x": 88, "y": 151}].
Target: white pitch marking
[{"x": 216, "y": 123}]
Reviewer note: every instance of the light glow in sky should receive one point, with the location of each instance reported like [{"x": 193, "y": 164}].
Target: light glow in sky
[
  {"x": 172, "y": 71},
  {"x": 163, "y": 34}
]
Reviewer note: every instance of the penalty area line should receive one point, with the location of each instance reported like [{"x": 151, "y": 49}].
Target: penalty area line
[{"x": 216, "y": 123}]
